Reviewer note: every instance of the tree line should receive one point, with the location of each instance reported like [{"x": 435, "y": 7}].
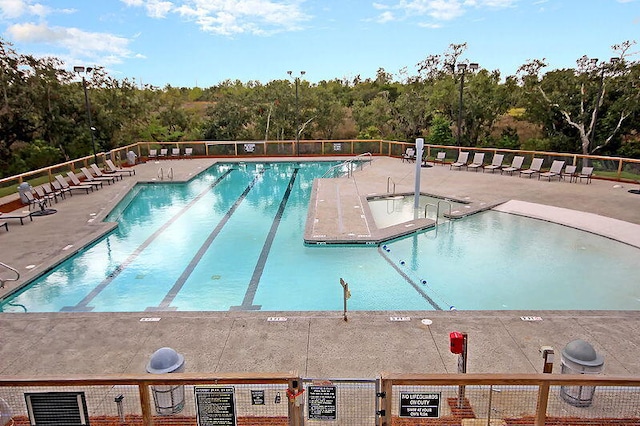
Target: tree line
[{"x": 590, "y": 109}]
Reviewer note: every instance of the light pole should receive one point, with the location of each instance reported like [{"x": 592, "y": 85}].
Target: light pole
[
  {"x": 79, "y": 70},
  {"x": 462, "y": 68},
  {"x": 297, "y": 82}
]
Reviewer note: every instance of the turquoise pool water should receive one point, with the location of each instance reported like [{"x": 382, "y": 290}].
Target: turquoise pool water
[{"x": 232, "y": 239}]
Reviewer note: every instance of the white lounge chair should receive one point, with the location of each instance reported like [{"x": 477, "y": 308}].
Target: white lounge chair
[
  {"x": 96, "y": 171},
  {"x": 64, "y": 185},
  {"x": 463, "y": 157},
  {"x": 188, "y": 152},
  {"x": 113, "y": 169},
  {"x": 478, "y": 161},
  {"x": 585, "y": 173},
  {"x": 153, "y": 153},
  {"x": 534, "y": 168},
  {"x": 163, "y": 152},
  {"x": 554, "y": 171},
  {"x": 496, "y": 163},
  {"x": 516, "y": 165},
  {"x": 409, "y": 155},
  {"x": 175, "y": 152},
  {"x": 74, "y": 180},
  {"x": 440, "y": 157},
  {"x": 91, "y": 178}
]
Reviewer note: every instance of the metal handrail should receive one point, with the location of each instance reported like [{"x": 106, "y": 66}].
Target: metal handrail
[
  {"x": 4, "y": 280},
  {"x": 389, "y": 182},
  {"x": 348, "y": 164}
]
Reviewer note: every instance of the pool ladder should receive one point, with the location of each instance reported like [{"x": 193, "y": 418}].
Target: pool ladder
[
  {"x": 437, "y": 207},
  {"x": 347, "y": 167},
  {"x": 4, "y": 280},
  {"x": 169, "y": 173},
  {"x": 391, "y": 185}
]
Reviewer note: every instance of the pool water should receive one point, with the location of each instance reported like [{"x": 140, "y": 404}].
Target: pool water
[{"x": 232, "y": 239}]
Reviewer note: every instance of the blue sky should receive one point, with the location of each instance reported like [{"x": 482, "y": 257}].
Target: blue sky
[{"x": 204, "y": 42}]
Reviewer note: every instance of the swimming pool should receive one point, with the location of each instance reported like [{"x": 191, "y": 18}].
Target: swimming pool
[{"x": 232, "y": 239}]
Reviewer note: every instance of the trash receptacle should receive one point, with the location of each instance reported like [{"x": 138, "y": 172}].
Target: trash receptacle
[
  {"x": 131, "y": 158},
  {"x": 579, "y": 357},
  {"x": 22, "y": 188},
  {"x": 168, "y": 399}
]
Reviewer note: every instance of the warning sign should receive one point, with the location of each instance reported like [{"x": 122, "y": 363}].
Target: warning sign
[
  {"x": 413, "y": 404},
  {"x": 322, "y": 402},
  {"x": 215, "y": 406}
]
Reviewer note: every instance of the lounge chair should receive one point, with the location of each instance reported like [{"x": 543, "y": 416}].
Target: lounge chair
[
  {"x": 163, "y": 152},
  {"x": 65, "y": 185},
  {"x": 571, "y": 172},
  {"x": 478, "y": 161},
  {"x": 55, "y": 192},
  {"x": 74, "y": 180},
  {"x": 554, "y": 171},
  {"x": 496, "y": 163},
  {"x": 91, "y": 178},
  {"x": 175, "y": 152},
  {"x": 153, "y": 153},
  {"x": 516, "y": 165},
  {"x": 5, "y": 224},
  {"x": 33, "y": 201},
  {"x": 113, "y": 169},
  {"x": 16, "y": 215},
  {"x": 96, "y": 171},
  {"x": 409, "y": 155},
  {"x": 42, "y": 195},
  {"x": 463, "y": 157},
  {"x": 585, "y": 173},
  {"x": 440, "y": 157},
  {"x": 188, "y": 152},
  {"x": 534, "y": 168}
]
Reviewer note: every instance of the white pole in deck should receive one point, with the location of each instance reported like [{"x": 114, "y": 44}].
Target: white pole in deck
[{"x": 419, "y": 148}]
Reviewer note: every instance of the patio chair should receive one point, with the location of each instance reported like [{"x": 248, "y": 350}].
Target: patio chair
[
  {"x": 478, "y": 161},
  {"x": 463, "y": 157},
  {"x": 570, "y": 171},
  {"x": 516, "y": 165},
  {"x": 55, "y": 192},
  {"x": 496, "y": 163},
  {"x": 534, "y": 168},
  {"x": 440, "y": 156},
  {"x": 113, "y": 169},
  {"x": 409, "y": 155},
  {"x": 96, "y": 171},
  {"x": 74, "y": 180},
  {"x": 163, "y": 152},
  {"x": 585, "y": 173},
  {"x": 91, "y": 178},
  {"x": 42, "y": 195},
  {"x": 153, "y": 153},
  {"x": 554, "y": 171},
  {"x": 175, "y": 152},
  {"x": 60, "y": 184},
  {"x": 188, "y": 152},
  {"x": 32, "y": 201}
]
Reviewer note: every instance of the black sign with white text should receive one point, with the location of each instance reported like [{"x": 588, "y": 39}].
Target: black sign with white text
[
  {"x": 215, "y": 406},
  {"x": 415, "y": 404},
  {"x": 322, "y": 402}
]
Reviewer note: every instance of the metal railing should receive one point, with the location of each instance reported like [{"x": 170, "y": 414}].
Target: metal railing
[
  {"x": 286, "y": 399},
  {"x": 4, "y": 280},
  {"x": 346, "y": 168}
]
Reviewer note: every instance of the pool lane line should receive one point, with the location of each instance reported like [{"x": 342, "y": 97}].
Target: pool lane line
[
  {"x": 165, "y": 305},
  {"x": 247, "y": 302},
  {"x": 424, "y": 295},
  {"x": 82, "y": 306}
]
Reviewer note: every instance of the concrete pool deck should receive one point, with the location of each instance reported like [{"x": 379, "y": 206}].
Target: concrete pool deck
[{"x": 318, "y": 344}]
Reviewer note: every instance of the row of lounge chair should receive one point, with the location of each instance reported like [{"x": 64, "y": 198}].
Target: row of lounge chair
[
  {"x": 43, "y": 196},
  {"x": 556, "y": 170},
  {"x": 164, "y": 152}
]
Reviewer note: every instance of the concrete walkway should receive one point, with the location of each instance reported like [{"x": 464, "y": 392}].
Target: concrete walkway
[{"x": 316, "y": 344}]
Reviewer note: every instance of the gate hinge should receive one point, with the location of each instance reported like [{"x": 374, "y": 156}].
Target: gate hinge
[
  {"x": 381, "y": 394},
  {"x": 381, "y": 413}
]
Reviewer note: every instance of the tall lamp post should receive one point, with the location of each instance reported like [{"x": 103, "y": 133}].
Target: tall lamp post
[
  {"x": 297, "y": 82},
  {"x": 80, "y": 70},
  {"x": 462, "y": 68}
]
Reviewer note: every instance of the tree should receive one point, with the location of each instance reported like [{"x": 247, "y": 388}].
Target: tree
[{"x": 580, "y": 100}]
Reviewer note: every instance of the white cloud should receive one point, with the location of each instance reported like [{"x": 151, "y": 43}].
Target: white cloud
[
  {"x": 228, "y": 17},
  {"x": 445, "y": 10},
  {"x": 102, "y": 47},
  {"x": 385, "y": 17},
  {"x": 11, "y": 9}
]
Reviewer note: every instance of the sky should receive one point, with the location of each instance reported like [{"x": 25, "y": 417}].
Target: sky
[{"x": 189, "y": 43}]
